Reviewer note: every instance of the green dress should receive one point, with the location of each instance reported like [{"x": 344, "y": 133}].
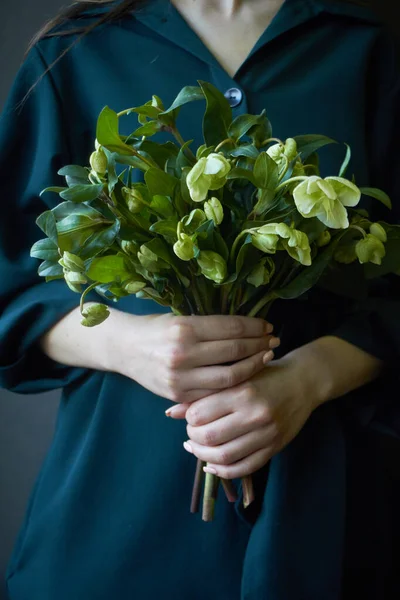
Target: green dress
[{"x": 109, "y": 514}]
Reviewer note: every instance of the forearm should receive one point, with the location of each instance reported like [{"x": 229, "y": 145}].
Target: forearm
[
  {"x": 69, "y": 343},
  {"x": 333, "y": 367}
]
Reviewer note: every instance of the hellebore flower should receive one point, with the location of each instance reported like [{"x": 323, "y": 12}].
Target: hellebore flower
[
  {"x": 326, "y": 199},
  {"x": 209, "y": 173}
]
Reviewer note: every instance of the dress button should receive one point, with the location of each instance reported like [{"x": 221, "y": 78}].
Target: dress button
[{"x": 234, "y": 96}]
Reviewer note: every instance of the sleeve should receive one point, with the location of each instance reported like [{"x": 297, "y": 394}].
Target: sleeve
[
  {"x": 374, "y": 323},
  {"x": 33, "y": 146}
]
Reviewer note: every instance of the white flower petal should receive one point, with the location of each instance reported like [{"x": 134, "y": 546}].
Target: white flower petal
[{"x": 347, "y": 192}]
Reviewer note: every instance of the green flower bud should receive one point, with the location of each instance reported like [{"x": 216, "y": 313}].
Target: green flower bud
[
  {"x": 323, "y": 239},
  {"x": 98, "y": 161},
  {"x": 209, "y": 173},
  {"x": 129, "y": 247},
  {"x": 148, "y": 259},
  {"x": 94, "y": 315},
  {"x": 184, "y": 248},
  {"x": 262, "y": 273},
  {"x": 212, "y": 266},
  {"x": 345, "y": 254},
  {"x": 133, "y": 199},
  {"x": 288, "y": 149},
  {"x": 71, "y": 262},
  {"x": 134, "y": 286},
  {"x": 266, "y": 242},
  {"x": 214, "y": 211},
  {"x": 74, "y": 280},
  {"x": 378, "y": 231},
  {"x": 370, "y": 249}
]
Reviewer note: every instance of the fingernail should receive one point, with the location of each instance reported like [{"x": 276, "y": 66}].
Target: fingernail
[
  {"x": 268, "y": 356},
  {"x": 268, "y": 328},
  {"x": 170, "y": 412},
  {"x": 209, "y": 470},
  {"x": 188, "y": 447},
  {"x": 274, "y": 342}
]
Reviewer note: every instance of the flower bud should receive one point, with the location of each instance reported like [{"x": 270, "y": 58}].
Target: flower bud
[
  {"x": 262, "y": 273},
  {"x": 289, "y": 149},
  {"x": 212, "y": 266},
  {"x": 214, "y": 211},
  {"x": 71, "y": 262},
  {"x": 370, "y": 249},
  {"x": 345, "y": 254},
  {"x": 266, "y": 242},
  {"x": 323, "y": 239},
  {"x": 98, "y": 161},
  {"x": 133, "y": 199},
  {"x": 74, "y": 280},
  {"x": 134, "y": 286},
  {"x": 378, "y": 231},
  {"x": 94, "y": 315},
  {"x": 184, "y": 248},
  {"x": 129, "y": 247}
]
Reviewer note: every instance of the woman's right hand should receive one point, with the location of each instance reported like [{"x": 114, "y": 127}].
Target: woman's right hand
[{"x": 184, "y": 358}]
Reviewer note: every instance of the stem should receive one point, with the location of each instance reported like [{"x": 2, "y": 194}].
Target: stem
[
  {"x": 198, "y": 481},
  {"x": 85, "y": 293},
  {"x": 290, "y": 180},
  {"x": 272, "y": 139},
  {"x": 209, "y": 499},
  {"x": 182, "y": 142},
  {"x": 358, "y": 229},
  {"x": 197, "y": 298},
  {"x": 229, "y": 490},
  {"x": 260, "y": 304},
  {"x": 235, "y": 243},
  {"x": 125, "y": 112},
  {"x": 285, "y": 170},
  {"x": 248, "y": 490},
  {"x": 231, "y": 140}
]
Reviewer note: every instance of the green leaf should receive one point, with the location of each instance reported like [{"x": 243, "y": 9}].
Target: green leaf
[
  {"x": 265, "y": 171},
  {"x": 161, "y": 250},
  {"x": 160, "y": 153},
  {"x": 54, "y": 189},
  {"x": 308, "y": 144},
  {"x": 111, "y": 170},
  {"x": 163, "y": 206},
  {"x": 49, "y": 268},
  {"x": 75, "y": 172},
  {"x": 378, "y": 195},
  {"x": 47, "y": 223},
  {"x": 159, "y": 182},
  {"x": 187, "y": 94},
  {"x": 148, "y": 110},
  {"x": 218, "y": 115},
  {"x": 107, "y": 269},
  {"x": 148, "y": 129},
  {"x": 242, "y": 124},
  {"x": 82, "y": 193},
  {"x": 166, "y": 228},
  {"x": 346, "y": 161},
  {"x": 74, "y": 231},
  {"x": 100, "y": 241},
  {"x": 239, "y": 173},
  {"x": 182, "y": 160},
  {"x": 260, "y": 132},
  {"x": 65, "y": 209},
  {"x": 245, "y": 150},
  {"x": 309, "y": 276},
  {"x": 107, "y": 132},
  {"x": 45, "y": 250}
]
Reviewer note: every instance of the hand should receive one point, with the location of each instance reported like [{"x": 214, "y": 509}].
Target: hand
[
  {"x": 182, "y": 358},
  {"x": 237, "y": 431}
]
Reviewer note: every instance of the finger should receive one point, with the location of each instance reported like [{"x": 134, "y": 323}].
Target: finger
[
  {"x": 178, "y": 411},
  {"x": 229, "y": 427},
  {"x": 219, "y": 378},
  {"x": 244, "y": 467},
  {"x": 227, "y": 327},
  {"x": 234, "y": 451},
  {"x": 226, "y": 351}
]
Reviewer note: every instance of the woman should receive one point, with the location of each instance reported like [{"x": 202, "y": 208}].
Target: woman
[{"x": 109, "y": 517}]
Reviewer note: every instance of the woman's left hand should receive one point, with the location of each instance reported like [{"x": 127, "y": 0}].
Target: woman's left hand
[{"x": 236, "y": 431}]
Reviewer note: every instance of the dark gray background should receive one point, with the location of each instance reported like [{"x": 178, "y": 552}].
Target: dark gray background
[{"x": 26, "y": 422}]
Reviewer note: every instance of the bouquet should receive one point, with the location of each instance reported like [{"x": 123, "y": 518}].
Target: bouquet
[{"x": 226, "y": 228}]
